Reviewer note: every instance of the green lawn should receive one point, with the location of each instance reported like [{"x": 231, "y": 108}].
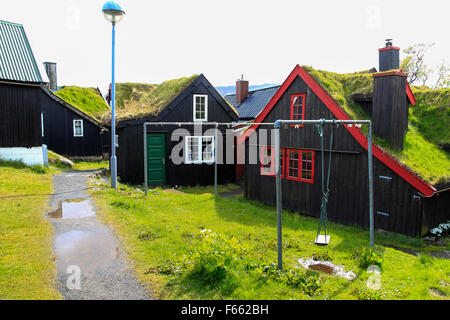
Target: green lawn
[
  {"x": 83, "y": 165},
  {"x": 27, "y": 269},
  {"x": 162, "y": 237}
]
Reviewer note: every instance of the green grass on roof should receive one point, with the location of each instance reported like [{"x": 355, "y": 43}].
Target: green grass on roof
[
  {"x": 427, "y": 123},
  {"x": 431, "y": 115},
  {"x": 152, "y": 102},
  {"x": 341, "y": 87},
  {"x": 127, "y": 92},
  {"x": 87, "y": 100}
]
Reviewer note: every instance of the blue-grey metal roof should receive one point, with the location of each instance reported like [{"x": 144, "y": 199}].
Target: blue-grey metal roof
[
  {"x": 255, "y": 102},
  {"x": 17, "y": 62}
]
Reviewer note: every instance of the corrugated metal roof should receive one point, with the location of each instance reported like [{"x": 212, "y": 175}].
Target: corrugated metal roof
[
  {"x": 17, "y": 62},
  {"x": 255, "y": 102}
]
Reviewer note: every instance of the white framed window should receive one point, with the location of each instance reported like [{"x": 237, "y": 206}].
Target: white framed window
[
  {"x": 42, "y": 123},
  {"x": 200, "y": 107},
  {"x": 200, "y": 150},
  {"x": 78, "y": 128}
]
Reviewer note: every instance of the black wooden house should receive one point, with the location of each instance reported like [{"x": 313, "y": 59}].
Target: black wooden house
[
  {"x": 405, "y": 202},
  {"x": 20, "y": 89},
  {"x": 192, "y": 100},
  {"x": 69, "y": 131}
]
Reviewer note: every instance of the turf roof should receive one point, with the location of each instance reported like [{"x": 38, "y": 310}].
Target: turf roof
[
  {"x": 151, "y": 102},
  {"x": 128, "y": 92},
  {"x": 426, "y": 137},
  {"x": 87, "y": 100}
]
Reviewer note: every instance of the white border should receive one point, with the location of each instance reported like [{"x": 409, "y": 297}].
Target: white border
[
  {"x": 200, "y": 149},
  {"x": 206, "y": 107},
  {"x": 82, "y": 129}
]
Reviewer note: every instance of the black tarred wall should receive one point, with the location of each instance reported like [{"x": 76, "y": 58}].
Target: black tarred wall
[
  {"x": 20, "y": 116},
  {"x": 130, "y": 154},
  {"x": 58, "y": 130},
  {"x": 397, "y": 208}
]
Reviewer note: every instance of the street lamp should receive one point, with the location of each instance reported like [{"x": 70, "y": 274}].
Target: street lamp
[{"x": 113, "y": 13}]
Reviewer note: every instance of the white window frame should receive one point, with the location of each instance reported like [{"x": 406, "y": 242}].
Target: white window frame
[
  {"x": 74, "y": 130},
  {"x": 195, "y": 106},
  {"x": 200, "y": 140},
  {"x": 42, "y": 124}
]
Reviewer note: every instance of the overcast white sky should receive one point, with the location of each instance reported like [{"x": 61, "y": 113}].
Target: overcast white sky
[{"x": 264, "y": 40}]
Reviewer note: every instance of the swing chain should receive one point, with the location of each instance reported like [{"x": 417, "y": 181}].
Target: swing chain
[{"x": 325, "y": 189}]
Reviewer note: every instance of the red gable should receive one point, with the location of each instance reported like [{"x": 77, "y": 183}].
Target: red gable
[{"x": 421, "y": 185}]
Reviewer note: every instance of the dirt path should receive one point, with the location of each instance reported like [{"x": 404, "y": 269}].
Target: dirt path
[{"x": 90, "y": 264}]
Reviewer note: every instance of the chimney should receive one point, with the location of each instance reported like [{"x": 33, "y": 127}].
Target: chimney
[
  {"x": 389, "y": 57},
  {"x": 390, "y": 103},
  {"x": 241, "y": 90},
  {"x": 50, "y": 68}
]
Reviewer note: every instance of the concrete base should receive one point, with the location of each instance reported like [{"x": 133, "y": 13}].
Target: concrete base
[{"x": 29, "y": 156}]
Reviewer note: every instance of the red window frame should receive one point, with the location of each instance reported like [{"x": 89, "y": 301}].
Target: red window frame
[
  {"x": 272, "y": 162},
  {"x": 303, "y": 96},
  {"x": 300, "y": 169}
]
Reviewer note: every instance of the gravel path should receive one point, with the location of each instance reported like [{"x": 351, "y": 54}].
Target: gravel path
[
  {"x": 232, "y": 194},
  {"x": 86, "y": 247}
]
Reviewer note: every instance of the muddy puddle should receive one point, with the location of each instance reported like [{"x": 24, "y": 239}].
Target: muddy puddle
[
  {"x": 327, "y": 267},
  {"x": 73, "y": 209}
]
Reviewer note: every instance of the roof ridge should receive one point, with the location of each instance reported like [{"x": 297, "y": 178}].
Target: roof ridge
[
  {"x": 257, "y": 89},
  {"x": 13, "y": 23}
]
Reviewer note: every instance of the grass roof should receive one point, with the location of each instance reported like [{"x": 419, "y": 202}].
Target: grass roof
[
  {"x": 127, "y": 92},
  {"x": 427, "y": 123},
  {"x": 87, "y": 100},
  {"x": 150, "y": 102},
  {"x": 431, "y": 115}
]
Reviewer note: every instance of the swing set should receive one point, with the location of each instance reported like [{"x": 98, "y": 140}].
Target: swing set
[{"x": 323, "y": 233}]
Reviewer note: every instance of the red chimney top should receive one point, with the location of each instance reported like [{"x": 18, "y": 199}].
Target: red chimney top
[{"x": 241, "y": 90}]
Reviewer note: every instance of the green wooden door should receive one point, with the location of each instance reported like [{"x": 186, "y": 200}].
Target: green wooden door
[{"x": 156, "y": 158}]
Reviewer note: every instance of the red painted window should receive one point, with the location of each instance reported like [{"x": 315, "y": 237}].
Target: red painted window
[
  {"x": 300, "y": 165},
  {"x": 298, "y": 106},
  {"x": 268, "y": 161}
]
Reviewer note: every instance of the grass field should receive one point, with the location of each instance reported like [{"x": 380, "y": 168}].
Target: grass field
[
  {"x": 27, "y": 271},
  {"x": 82, "y": 165},
  {"x": 192, "y": 246}
]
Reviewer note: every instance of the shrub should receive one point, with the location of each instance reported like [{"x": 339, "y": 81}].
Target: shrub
[
  {"x": 368, "y": 257},
  {"x": 215, "y": 260},
  {"x": 441, "y": 230},
  {"x": 308, "y": 282}
]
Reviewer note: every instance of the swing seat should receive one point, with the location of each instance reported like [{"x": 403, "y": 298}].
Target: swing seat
[{"x": 322, "y": 240}]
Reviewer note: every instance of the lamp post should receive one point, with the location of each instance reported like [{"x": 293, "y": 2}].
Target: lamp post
[{"x": 113, "y": 13}]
